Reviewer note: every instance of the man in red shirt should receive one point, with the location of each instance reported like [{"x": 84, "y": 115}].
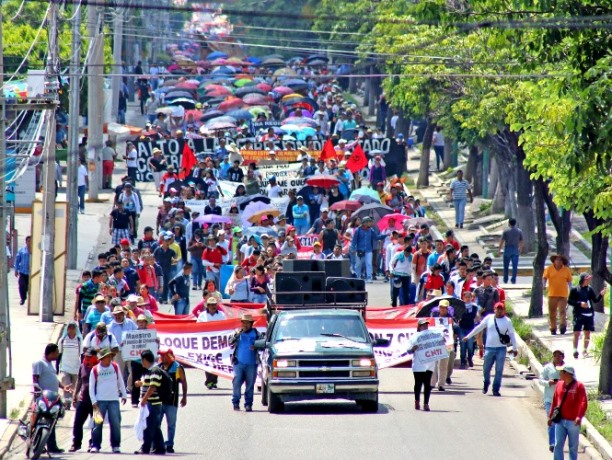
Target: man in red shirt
[
  {"x": 212, "y": 258},
  {"x": 571, "y": 396},
  {"x": 450, "y": 239}
]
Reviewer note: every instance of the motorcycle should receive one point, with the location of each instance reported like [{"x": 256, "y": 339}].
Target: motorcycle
[{"x": 48, "y": 407}]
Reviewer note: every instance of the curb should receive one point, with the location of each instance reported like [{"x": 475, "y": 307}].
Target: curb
[
  {"x": 11, "y": 431},
  {"x": 594, "y": 444}
]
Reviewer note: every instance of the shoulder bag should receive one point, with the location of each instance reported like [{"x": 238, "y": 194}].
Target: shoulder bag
[{"x": 556, "y": 413}]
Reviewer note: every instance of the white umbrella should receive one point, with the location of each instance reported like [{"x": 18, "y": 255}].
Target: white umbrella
[{"x": 251, "y": 209}]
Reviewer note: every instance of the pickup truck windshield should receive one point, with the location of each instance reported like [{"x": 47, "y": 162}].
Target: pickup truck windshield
[{"x": 299, "y": 327}]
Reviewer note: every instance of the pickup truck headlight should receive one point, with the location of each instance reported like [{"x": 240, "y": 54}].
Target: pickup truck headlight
[
  {"x": 364, "y": 362},
  {"x": 284, "y": 363}
]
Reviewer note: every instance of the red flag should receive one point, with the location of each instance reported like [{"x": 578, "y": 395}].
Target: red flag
[
  {"x": 328, "y": 151},
  {"x": 188, "y": 161},
  {"x": 357, "y": 161}
]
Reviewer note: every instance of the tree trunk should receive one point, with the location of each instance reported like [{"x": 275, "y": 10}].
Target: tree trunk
[
  {"x": 470, "y": 167},
  {"x": 448, "y": 153},
  {"x": 402, "y": 125},
  {"x": 423, "y": 180},
  {"x": 562, "y": 220},
  {"x": 477, "y": 182},
  {"x": 374, "y": 92},
  {"x": 539, "y": 261},
  {"x": 352, "y": 85},
  {"x": 599, "y": 257},
  {"x": 493, "y": 178},
  {"x": 605, "y": 368},
  {"x": 524, "y": 199},
  {"x": 367, "y": 89}
]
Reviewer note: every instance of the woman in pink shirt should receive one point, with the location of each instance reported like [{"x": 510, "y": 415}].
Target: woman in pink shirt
[{"x": 148, "y": 301}]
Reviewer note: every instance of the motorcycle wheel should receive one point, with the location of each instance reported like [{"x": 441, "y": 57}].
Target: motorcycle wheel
[{"x": 38, "y": 442}]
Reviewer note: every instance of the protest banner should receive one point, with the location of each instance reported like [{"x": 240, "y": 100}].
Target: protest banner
[
  {"x": 394, "y": 153},
  {"x": 431, "y": 346},
  {"x": 135, "y": 342}
]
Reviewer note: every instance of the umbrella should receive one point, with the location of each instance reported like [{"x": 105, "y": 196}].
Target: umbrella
[
  {"x": 259, "y": 109},
  {"x": 243, "y": 201},
  {"x": 418, "y": 221},
  {"x": 305, "y": 113},
  {"x": 296, "y": 83},
  {"x": 384, "y": 222},
  {"x": 345, "y": 205},
  {"x": 252, "y": 231},
  {"x": 253, "y": 60},
  {"x": 170, "y": 82},
  {"x": 212, "y": 219},
  {"x": 457, "y": 304},
  {"x": 210, "y": 114},
  {"x": 164, "y": 110},
  {"x": 264, "y": 87},
  {"x": 214, "y": 125},
  {"x": 300, "y": 121},
  {"x": 178, "y": 93},
  {"x": 224, "y": 69},
  {"x": 316, "y": 57},
  {"x": 230, "y": 104},
  {"x": 365, "y": 191},
  {"x": 242, "y": 82},
  {"x": 323, "y": 181},
  {"x": 285, "y": 72},
  {"x": 256, "y": 99},
  {"x": 183, "y": 101},
  {"x": 216, "y": 55},
  {"x": 273, "y": 62},
  {"x": 249, "y": 89},
  {"x": 211, "y": 86},
  {"x": 241, "y": 114},
  {"x": 218, "y": 90},
  {"x": 197, "y": 114},
  {"x": 374, "y": 210},
  {"x": 188, "y": 85},
  {"x": 282, "y": 90},
  {"x": 252, "y": 208},
  {"x": 317, "y": 63},
  {"x": 219, "y": 62},
  {"x": 257, "y": 216}
]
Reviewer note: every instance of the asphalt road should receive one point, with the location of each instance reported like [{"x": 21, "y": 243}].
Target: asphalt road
[{"x": 463, "y": 424}]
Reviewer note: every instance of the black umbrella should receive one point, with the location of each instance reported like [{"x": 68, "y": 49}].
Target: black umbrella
[
  {"x": 210, "y": 114},
  {"x": 243, "y": 201},
  {"x": 457, "y": 304},
  {"x": 249, "y": 90},
  {"x": 178, "y": 93},
  {"x": 317, "y": 57},
  {"x": 374, "y": 210}
]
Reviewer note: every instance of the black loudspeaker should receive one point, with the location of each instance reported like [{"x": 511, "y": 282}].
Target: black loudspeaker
[
  {"x": 354, "y": 288},
  {"x": 312, "y": 283},
  {"x": 297, "y": 265},
  {"x": 338, "y": 268}
]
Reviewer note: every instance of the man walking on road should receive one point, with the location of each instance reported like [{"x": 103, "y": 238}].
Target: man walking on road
[
  {"x": 244, "y": 359},
  {"x": 177, "y": 374},
  {"x": 548, "y": 379},
  {"x": 512, "y": 244},
  {"x": 571, "y": 399},
  {"x": 105, "y": 388},
  {"x": 22, "y": 269},
  {"x": 149, "y": 389},
  {"x": 500, "y": 334},
  {"x": 583, "y": 298},
  {"x": 121, "y": 224},
  {"x": 212, "y": 313},
  {"x": 558, "y": 277},
  {"x": 459, "y": 192}
]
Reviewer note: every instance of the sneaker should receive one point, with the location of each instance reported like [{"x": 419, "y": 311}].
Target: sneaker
[
  {"x": 485, "y": 389},
  {"x": 553, "y": 332},
  {"x": 562, "y": 330},
  {"x": 551, "y": 448},
  {"x": 417, "y": 405},
  {"x": 496, "y": 393},
  {"x": 74, "y": 448},
  {"x": 449, "y": 381},
  {"x": 170, "y": 449},
  {"x": 585, "y": 354},
  {"x": 214, "y": 385},
  {"x": 426, "y": 407},
  {"x": 463, "y": 366},
  {"x": 94, "y": 450},
  {"x": 210, "y": 385},
  {"x": 134, "y": 406},
  {"x": 116, "y": 450},
  {"x": 576, "y": 354},
  {"x": 470, "y": 362},
  {"x": 248, "y": 408},
  {"x": 441, "y": 388},
  {"x": 236, "y": 407}
]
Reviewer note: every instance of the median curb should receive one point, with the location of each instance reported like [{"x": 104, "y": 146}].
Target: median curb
[
  {"x": 594, "y": 445},
  {"x": 11, "y": 431}
]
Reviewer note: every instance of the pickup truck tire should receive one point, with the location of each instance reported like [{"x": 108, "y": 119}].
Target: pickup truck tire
[
  {"x": 368, "y": 405},
  {"x": 275, "y": 405},
  {"x": 264, "y": 394}
]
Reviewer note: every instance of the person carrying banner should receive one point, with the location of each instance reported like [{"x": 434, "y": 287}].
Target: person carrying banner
[
  {"x": 244, "y": 359},
  {"x": 422, "y": 371},
  {"x": 500, "y": 334},
  {"x": 212, "y": 313}
]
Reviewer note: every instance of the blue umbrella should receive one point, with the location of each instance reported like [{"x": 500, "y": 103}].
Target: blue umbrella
[
  {"x": 295, "y": 83},
  {"x": 240, "y": 114},
  {"x": 210, "y": 114},
  {"x": 253, "y": 60},
  {"x": 224, "y": 70},
  {"x": 216, "y": 55}
]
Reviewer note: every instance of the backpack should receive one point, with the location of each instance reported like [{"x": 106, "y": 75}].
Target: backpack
[
  {"x": 95, "y": 372},
  {"x": 166, "y": 391}
]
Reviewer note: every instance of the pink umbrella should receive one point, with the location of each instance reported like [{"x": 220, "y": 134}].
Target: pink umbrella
[
  {"x": 264, "y": 87},
  {"x": 220, "y": 61},
  {"x": 230, "y": 104},
  {"x": 398, "y": 218},
  {"x": 187, "y": 85},
  {"x": 323, "y": 181},
  {"x": 305, "y": 113},
  {"x": 196, "y": 113},
  {"x": 256, "y": 99},
  {"x": 212, "y": 219},
  {"x": 284, "y": 90}
]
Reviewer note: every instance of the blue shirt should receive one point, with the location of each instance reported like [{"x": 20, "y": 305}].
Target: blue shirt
[
  {"x": 244, "y": 353},
  {"x": 363, "y": 240},
  {"x": 224, "y": 167},
  {"x": 22, "y": 261},
  {"x": 300, "y": 215},
  {"x": 117, "y": 329}
]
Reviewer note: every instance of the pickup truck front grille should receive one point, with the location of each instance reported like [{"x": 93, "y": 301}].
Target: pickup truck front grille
[
  {"x": 325, "y": 374},
  {"x": 323, "y": 363}
]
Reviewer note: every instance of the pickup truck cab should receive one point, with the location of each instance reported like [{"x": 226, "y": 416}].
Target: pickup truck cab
[{"x": 318, "y": 354}]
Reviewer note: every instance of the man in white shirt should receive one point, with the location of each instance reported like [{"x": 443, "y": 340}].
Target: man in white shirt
[
  {"x": 105, "y": 387},
  {"x": 212, "y": 313},
  {"x": 83, "y": 184},
  {"x": 499, "y": 334},
  {"x": 131, "y": 160},
  {"x": 273, "y": 190}
]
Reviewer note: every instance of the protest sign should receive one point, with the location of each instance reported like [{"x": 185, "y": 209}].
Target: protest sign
[
  {"x": 431, "y": 346},
  {"x": 135, "y": 342}
]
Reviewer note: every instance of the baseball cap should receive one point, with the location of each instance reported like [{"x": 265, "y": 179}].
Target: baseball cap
[
  {"x": 165, "y": 351},
  {"x": 568, "y": 369},
  {"x": 99, "y": 298},
  {"x": 236, "y": 230},
  {"x": 124, "y": 242},
  {"x": 585, "y": 276},
  {"x": 422, "y": 321}
]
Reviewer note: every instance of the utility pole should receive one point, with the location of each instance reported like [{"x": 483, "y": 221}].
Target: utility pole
[
  {"x": 95, "y": 102},
  {"x": 73, "y": 138},
  {"x": 5, "y": 328},
  {"x": 47, "y": 280},
  {"x": 117, "y": 58}
]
